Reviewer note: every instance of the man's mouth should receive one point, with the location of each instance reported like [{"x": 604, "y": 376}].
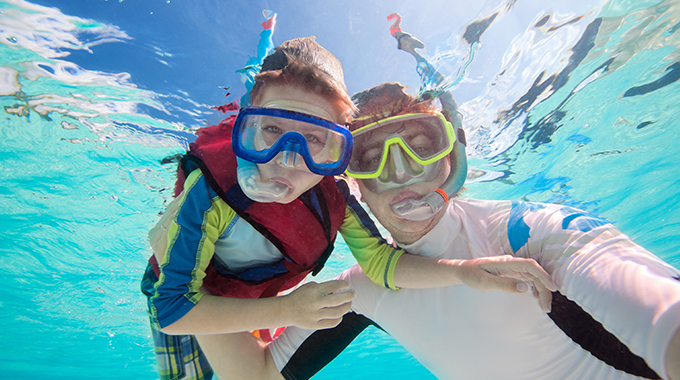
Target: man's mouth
[{"x": 404, "y": 195}]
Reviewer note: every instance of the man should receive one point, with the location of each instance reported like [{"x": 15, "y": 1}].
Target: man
[{"x": 616, "y": 314}]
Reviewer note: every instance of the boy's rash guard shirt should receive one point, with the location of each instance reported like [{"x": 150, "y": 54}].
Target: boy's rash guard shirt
[{"x": 206, "y": 228}]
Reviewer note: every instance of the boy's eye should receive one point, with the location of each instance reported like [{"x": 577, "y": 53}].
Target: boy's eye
[
  {"x": 272, "y": 129},
  {"x": 313, "y": 139}
]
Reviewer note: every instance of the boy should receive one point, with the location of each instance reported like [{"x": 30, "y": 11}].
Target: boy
[{"x": 246, "y": 229}]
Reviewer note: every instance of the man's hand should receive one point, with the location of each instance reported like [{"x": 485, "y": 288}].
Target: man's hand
[
  {"x": 318, "y": 306},
  {"x": 509, "y": 274}
]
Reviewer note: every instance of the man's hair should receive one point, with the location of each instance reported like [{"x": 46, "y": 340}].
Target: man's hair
[
  {"x": 386, "y": 100},
  {"x": 302, "y": 61}
]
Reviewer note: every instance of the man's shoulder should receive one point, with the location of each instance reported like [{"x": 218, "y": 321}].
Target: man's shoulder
[{"x": 479, "y": 207}]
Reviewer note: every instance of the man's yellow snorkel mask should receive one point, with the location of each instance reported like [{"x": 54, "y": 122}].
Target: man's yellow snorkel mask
[
  {"x": 405, "y": 149},
  {"x": 424, "y": 137}
]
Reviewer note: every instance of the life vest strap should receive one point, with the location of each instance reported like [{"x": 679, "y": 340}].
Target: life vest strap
[{"x": 235, "y": 192}]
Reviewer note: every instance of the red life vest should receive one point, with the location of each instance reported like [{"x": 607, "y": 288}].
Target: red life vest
[{"x": 304, "y": 237}]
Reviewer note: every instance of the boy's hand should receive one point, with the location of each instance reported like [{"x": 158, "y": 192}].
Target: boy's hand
[
  {"x": 509, "y": 274},
  {"x": 318, "y": 306}
]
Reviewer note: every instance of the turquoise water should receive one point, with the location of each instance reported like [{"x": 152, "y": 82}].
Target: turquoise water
[{"x": 573, "y": 104}]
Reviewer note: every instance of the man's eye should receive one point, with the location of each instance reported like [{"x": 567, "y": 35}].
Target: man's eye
[
  {"x": 371, "y": 158},
  {"x": 421, "y": 145}
]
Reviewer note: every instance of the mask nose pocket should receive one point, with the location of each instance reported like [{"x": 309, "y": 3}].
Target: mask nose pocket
[
  {"x": 400, "y": 168},
  {"x": 289, "y": 159}
]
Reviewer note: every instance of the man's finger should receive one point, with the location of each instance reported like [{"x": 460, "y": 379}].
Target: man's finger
[
  {"x": 544, "y": 296},
  {"x": 492, "y": 282},
  {"x": 542, "y": 276}
]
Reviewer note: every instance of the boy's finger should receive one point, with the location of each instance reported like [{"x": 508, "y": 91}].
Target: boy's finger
[
  {"x": 338, "y": 298},
  {"x": 335, "y": 311},
  {"x": 333, "y": 286},
  {"x": 328, "y": 323},
  {"x": 530, "y": 270}
]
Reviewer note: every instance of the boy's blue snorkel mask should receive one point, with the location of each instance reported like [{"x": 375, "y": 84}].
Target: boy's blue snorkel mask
[
  {"x": 283, "y": 131},
  {"x": 400, "y": 159},
  {"x": 260, "y": 134}
]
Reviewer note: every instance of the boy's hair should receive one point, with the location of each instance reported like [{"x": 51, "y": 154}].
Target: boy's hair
[
  {"x": 302, "y": 61},
  {"x": 386, "y": 100}
]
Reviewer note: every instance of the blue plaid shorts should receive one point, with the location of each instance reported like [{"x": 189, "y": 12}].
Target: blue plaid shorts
[{"x": 179, "y": 357}]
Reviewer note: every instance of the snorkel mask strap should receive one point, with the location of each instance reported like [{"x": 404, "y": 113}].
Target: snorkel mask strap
[
  {"x": 247, "y": 172},
  {"x": 433, "y": 84},
  {"x": 265, "y": 46}
]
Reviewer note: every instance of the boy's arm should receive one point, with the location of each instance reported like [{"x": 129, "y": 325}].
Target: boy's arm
[
  {"x": 179, "y": 306},
  {"x": 312, "y": 306}
]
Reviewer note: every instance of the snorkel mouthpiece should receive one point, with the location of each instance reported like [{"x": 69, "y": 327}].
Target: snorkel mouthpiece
[
  {"x": 254, "y": 188},
  {"x": 417, "y": 210}
]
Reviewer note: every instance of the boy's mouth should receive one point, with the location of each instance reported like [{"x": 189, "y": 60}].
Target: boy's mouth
[{"x": 283, "y": 181}]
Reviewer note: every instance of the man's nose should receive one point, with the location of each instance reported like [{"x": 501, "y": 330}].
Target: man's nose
[{"x": 400, "y": 167}]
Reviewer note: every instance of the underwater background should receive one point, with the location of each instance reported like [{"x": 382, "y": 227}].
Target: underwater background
[{"x": 571, "y": 102}]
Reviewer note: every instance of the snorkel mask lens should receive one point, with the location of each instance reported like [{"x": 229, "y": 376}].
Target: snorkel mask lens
[
  {"x": 425, "y": 138},
  {"x": 260, "y": 134}
]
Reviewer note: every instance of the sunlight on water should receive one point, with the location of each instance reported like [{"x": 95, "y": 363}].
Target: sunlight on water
[
  {"x": 579, "y": 109},
  {"x": 570, "y": 151},
  {"x": 81, "y": 162}
]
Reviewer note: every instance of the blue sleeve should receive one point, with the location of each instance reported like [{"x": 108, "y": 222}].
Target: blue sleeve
[{"x": 191, "y": 245}]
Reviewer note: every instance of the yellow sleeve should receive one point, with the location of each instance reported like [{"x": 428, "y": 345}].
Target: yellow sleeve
[
  {"x": 199, "y": 220},
  {"x": 376, "y": 258}
]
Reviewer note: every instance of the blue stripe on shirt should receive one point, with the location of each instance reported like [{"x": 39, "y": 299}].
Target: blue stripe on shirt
[{"x": 173, "y": 295}]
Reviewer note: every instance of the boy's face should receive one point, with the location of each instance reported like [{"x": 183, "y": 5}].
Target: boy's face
[{"x": 295, "y": 98}]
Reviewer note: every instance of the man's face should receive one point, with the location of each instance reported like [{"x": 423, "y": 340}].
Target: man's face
[
  {"x": 298, "y": 179},
  {"x": 403, "y": 230}
]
